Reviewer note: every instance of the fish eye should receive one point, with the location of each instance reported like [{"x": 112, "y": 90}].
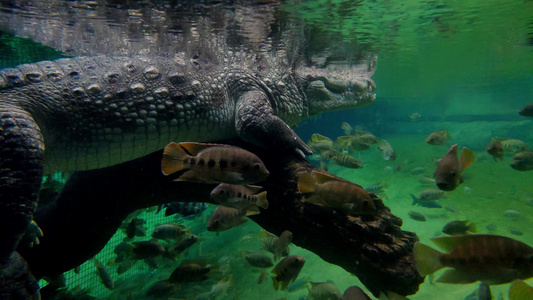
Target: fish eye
[
  {"x": 365, "y": 203},
  {"x": 257, "y": 166}
]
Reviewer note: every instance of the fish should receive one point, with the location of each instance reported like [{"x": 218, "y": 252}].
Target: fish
[
  {"x": 520, "y": 290},
  {"x": 170, "y": 231},
  {"x": 526, "y": 111},
  {"x": 212, "y": 163},
  {"x": 287, "y": 271},
  {"x": 104, "y": 275},
  {"x": 135, "y": 228},
  {"x": 162, "y": 288},
  {"x": 488, "y": 258},
  {"x": 417, "y": 170},
  {"x": 459, "y": 227},
  {"x": 184, "y": 208},
  {"x": 187, "y": 241},
  {"x": 336, "y": 193},
  {"x": 438, "y": 137},
  {"x": 147, "y": 249},
  {"x": 279, "y": 246},
  {"x": 320, "y": 143},
  {"x": 224, "y": 218},
  {"x": 495, "y": 149},
  {"x": 386, "y": 150},
  {"x": 481, "y": 293},
  {"x": 355, "y": 293},
  {"x": 324, "y": 291},
  {"x": 512, "y": 145},
  {"x": 257, "y": 259},
  {"x": 448, "y": 174},
  {"x": 125, "y": 265},
  {"x": 218, "y": 290},
  {"x": 417, "y": 216},
  {"x": 365, "y": 137},
  {"x": 428, "y": 204},
  {"x": 189, "y": 272},
  {"x": 239, "y": 196},
  {"x": 351, "y": 143},
  {"x": 345, "y": 160},
  {"x": 376, "y": 187},
  {"x": 415, "y": 117},
  {"x": 523, "y": 161},
  {"x": 430, "y": 195},
  {"x": 347, "y": 128}
]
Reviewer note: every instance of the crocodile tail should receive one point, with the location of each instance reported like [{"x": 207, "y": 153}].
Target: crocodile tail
[{"x": 173, "y": 159}]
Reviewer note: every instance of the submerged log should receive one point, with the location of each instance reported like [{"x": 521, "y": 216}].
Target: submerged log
[{"x": 93, "y": 204}]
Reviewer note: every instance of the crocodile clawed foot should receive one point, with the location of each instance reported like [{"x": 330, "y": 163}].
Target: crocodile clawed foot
[
  {"x": 16, "y": 280},
  {"x": 32, "y": 235}
]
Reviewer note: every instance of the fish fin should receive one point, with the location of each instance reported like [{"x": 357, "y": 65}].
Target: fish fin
[
  {"x": 388, "y": 295},
  {"x": 306, "y": 183},
  {"x": 415, "y": 199},
  {"x": 472, "y": 227},
  {"x": 448, "y": 243},
  {"x": 254, "y": 188},
  {"x": 455, "y": 276},
  {"x": 263, "y": 235},
  {"x": 275, "y": 282},
  {"x": 284, "y": 285},
  {"x": 318, "y": 137},
  {"x": 189, "y": 176},
  {"x": 467, "y": 157},
  {"x": 520, "y": 291},
  {"x": 262, "y": 200},
  {"x": 324, "y": 177},
  {"x": 173, "y": 157},
  {"x": 252, "y": 210},
  {"x": 446, "y": 134},
  {"x": 427, "y": 259},
  {"x": 193, "y": 148}
]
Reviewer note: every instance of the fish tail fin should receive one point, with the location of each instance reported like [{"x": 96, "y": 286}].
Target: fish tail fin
[
  {"x": 173, "y": 157},
  {"x": 447, "y": 135},
  {"x": 275, "y": 283},
  {"x": 467, "y": 157},
  {"x": 415, "y": 199},
  {"x": 427, "y": 259},
  {"x": 262, "y": 200},
  {"x": 306, "y": 183},
  {"x": 472, "y": 227},
  {"x": 520, "y": 291}
]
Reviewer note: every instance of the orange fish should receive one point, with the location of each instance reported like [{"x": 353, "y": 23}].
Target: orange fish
[
  {"x": 488, "y": 258},
  {"x": 449, "y": 170},
  {"x": 212, "y": 163},
  {"x": 438, "y": 137},
  {"x": 335, "y": 193}
]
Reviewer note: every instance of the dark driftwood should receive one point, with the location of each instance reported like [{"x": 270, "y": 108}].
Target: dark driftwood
[{"x": 93, "y": 204}]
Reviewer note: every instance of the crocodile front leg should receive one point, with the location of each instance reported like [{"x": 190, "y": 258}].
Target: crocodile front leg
[
  {"x": 21, "y": 170},
  {"x": 256, "y": 123}
]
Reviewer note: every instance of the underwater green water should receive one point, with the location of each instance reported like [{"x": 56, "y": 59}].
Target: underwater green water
[{"x": 464, "y": 66}]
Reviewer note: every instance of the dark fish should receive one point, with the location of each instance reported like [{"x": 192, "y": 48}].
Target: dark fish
[
  {"x": 185, "y": 243},
  {"x": 135, "y": 228},
  {"x": 324, "y": 291},
  {"x": 189, "y": 272},
  {"x": 333, "y": 192},
  {"x": 147, "y": 249},
  {"x": 428, "y": 204},
  {"x": 287, "y": 271},
  {"x": 162, "y": 288},
  {"x": 438, "y": 137},
  {"x": 239, "y": 196},
  {"x": 184, "y": 208},
  {"x": 417, "y": 216},
  {"x": 515, "y": 231},
  {"x": 258, "y": 259},
  {"x": 526, "y": 111},
  {"x": 212, "y": 163},
  {"x": 495, "y": 149},
  {"x": 459, "y": 227},
  {"x": 104, "y": 275},
  {"x": 476, "y": 257},
  {"x": 224, "y": 218},
  {"x": 448, "y": 173},
  {"x": 523, "y": 161},
  {"x": 279, "y": 246},
  {"x": 355, "y": 293},
  {"x": 170, "y": 231}
]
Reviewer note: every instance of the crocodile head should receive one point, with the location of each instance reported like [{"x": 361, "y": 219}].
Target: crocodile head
[{"x": 337, "y": 87}]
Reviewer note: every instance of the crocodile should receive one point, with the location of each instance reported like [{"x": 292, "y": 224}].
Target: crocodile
[{"x": 84, "y": 113}]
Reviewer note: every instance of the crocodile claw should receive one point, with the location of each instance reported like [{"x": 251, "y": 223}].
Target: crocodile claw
[{"x": 32, "y": 235}]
